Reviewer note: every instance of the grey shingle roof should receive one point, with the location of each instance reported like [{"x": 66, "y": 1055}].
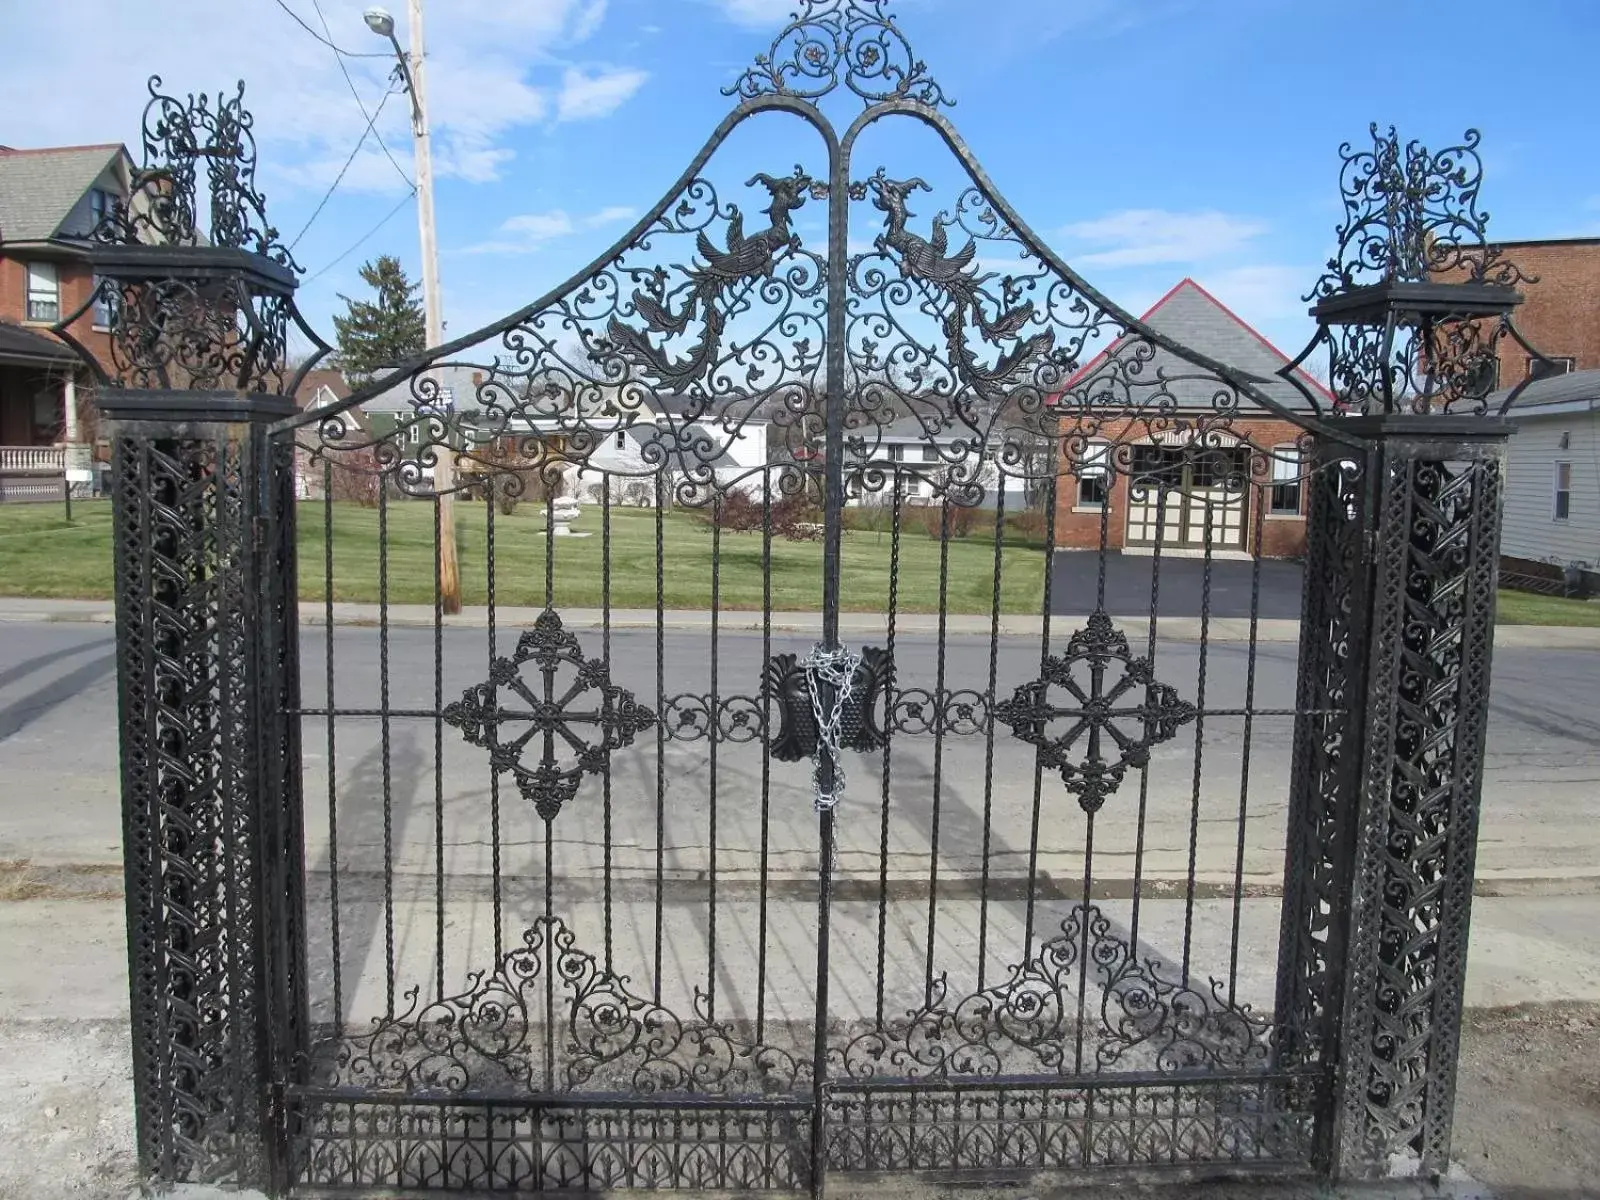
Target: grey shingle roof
[
  {"x": 1194, "y": 318},
  {"x": 24, "y": 347},
  {"x": 1557, "y": 389},
  {"x": 38, "y": 188}
]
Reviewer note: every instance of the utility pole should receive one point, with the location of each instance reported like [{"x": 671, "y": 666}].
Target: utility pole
[{"x": 413, "y": 69}]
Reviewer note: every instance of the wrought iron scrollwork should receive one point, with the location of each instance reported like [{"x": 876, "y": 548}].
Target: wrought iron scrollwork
[
  {"x": 832, "y": 43},
  {"x": 489, "y": 1039},
  {"x": 1123, "y": 704},
  {"x": 797, "y": 736},
  {"x": 549, "y": 716},
  {"x": 1031, "y": 1023}
]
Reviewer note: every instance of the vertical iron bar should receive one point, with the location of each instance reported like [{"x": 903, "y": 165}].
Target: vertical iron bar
[
  {"x": 939, "y": 715},
  {"x": 1199, "y": 746},
  {"x": 388, "y": 796},
  {"x": 1144, "y": 771},
  {"x": 1244, "y": 762},
  {"x": 661, "y": 729},
  {"x": 766, "y": 758},
  {"x": 1052, "y": 493},
  {"x": 438, "y": 750},
  {"x": 333, "y": 790},
  {"x": 495, "y": 884},
  {"x": 711, "y": 834},
  {"x": 897, "y": 512},
  {"x": 605, "y": 605},
  {"x": 988, "y": 733}
]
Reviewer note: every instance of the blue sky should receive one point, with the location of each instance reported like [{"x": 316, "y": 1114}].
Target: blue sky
[{"x": 1145, "y": 140}]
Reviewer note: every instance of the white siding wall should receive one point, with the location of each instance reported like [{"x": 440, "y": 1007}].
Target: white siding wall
[{"x": 1530, "y": 528}]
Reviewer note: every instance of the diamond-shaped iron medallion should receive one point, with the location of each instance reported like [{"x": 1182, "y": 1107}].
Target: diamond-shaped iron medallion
[
  {"x": 1119, "y": 709},
  {"x": 543, "y": 708}
]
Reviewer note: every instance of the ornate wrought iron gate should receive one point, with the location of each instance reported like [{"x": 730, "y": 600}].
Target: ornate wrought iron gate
[{"x": 810, "y": 789}]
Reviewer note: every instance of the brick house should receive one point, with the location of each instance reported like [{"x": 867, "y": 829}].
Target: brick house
[
  {"x": 50, "y": 199},
  {"x": 1143, "y": 478},
  {"x": 1560, "y": 312}
]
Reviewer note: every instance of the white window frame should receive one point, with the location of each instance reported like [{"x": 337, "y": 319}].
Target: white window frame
[
  {"x": 1286, "y": 472},
  {"x": 51, "y": 296},
  {"x": 1093, "y": 463},
  {"x": 1557, "y": 491},
  {"x": 105, "y": 304}
]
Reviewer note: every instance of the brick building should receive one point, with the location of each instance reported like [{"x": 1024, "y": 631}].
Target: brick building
[
  {"x": 1153, "y": 460},
  {"x": 1561, "y": 310},
  {"x": 50, "y": 199}
]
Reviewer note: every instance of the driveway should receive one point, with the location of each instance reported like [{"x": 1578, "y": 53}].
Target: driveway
[{"x": 1129, "y": 581}]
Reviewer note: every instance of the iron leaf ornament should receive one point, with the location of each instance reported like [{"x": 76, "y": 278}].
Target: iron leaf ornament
[
  {"x": 551, "y": 717},
  {"x": 828, "y": 44},
  {"x": 1121, "y": 711}
]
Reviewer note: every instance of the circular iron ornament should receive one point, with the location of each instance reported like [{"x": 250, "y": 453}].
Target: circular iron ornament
[
  {"x": 549, "y": 716},
  {"x": 1121, "y": 711}
]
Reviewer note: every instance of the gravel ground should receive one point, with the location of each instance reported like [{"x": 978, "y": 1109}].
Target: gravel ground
[
  {"x": 1527, "y": 1124},
  {"x": 1528, "y": 1108}
]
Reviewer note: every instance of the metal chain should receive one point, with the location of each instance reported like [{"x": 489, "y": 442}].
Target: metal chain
[{"x": 837, "y": 669}]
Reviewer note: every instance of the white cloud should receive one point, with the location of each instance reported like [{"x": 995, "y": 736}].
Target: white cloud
[
  {"x": 584, "y": 97},
  {"x": 492, "y": 67},
  {"x": 759, "y": 14},
  {"x": 529, "y": 232},
  {"x": 1264, "y": 294},
  {"x": 1139, "y": 237}
]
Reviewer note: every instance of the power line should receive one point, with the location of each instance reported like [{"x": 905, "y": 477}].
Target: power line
[
  {"x": 339, "y": 178},
  {"x": 298, "y": 20},
  {"x": 361, "y": 241},
  {"x": 343, "y": 70}
]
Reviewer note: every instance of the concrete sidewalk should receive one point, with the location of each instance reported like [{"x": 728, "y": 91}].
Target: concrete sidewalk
[
  {"x": 64, "y": 1051},
  {"x": 851, "y": 625}
]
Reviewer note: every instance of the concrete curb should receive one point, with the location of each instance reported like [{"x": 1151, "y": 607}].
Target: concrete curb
[{"x": 853, "y": 625}]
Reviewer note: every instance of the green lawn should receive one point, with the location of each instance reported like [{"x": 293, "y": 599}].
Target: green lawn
[
  {"x": 40, "y": 555},
  {"x": 1525, "y": 608}
]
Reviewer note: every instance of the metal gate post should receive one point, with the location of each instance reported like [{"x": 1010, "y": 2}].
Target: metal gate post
[
  {"x": 200, "y": 298},
  {"x": 205, "y": 640},
  {"x": 1413, "y": 802},
  {"x": 1398, "y": 633}
]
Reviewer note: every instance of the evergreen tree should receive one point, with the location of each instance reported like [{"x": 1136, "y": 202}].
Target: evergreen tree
[{"x": 380, "y": 333}]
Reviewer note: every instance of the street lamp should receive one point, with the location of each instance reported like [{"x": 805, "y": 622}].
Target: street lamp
[{"x": 411, "y": 72}]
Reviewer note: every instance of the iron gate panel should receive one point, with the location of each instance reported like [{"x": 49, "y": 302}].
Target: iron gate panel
[{"x": 582, "y": 912}]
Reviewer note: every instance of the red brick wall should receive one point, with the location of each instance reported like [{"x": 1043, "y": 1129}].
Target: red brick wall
[
  {"x": 1280, "y": 537},
  {"x": 1561, "y": 311}
]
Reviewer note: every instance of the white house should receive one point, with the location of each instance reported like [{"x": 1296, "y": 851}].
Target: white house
[
  {"x": 921, "y": 455},
  {"x": 1552, "y": 489}
]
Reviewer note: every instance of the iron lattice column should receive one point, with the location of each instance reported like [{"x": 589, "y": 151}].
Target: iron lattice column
[
  {"x": 203, "y": 544},
  {"x": 1388, "y": 783}
]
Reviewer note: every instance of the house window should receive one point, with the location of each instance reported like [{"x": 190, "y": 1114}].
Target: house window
[
  {"x": 1544, "y": 368},
  {"x": 44, "y": 292},
  {"x": 930, "y": 454},
  {"x": 101, "y": 206},
  {"x": 622, "y": 439},
  {"x": 106, "y": 299},
  {"x": 1094, "y": 475},
  {"x": 1563, "y": 497},
  {"x": 1286, "y": 481},
  {"x": 897, "y": 453}
]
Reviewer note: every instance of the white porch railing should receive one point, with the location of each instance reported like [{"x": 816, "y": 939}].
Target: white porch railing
[{"x": 44, "y": 460}]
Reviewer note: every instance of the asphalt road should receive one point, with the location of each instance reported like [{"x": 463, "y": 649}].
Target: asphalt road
[
  {"x": 392, "y": 801},
  {"x": 58, "y": 762}
]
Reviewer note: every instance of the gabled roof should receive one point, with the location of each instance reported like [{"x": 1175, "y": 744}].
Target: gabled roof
[
  {"x": 21, "y": 347},
  {"x": 39, "y": 188},
  {"x": 1193, "y": 317}
]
